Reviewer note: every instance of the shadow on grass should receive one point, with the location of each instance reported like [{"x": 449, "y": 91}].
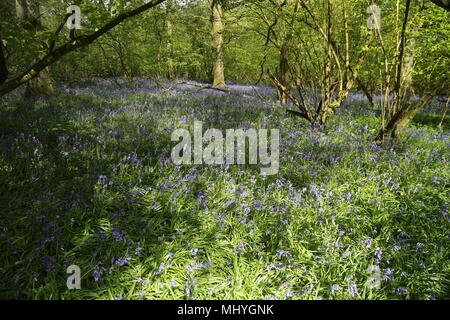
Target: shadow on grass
[
  {"x": 432, "y": 120},
  {"x": 81, "y": 207}
]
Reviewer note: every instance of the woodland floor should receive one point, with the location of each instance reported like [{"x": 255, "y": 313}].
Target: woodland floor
[{"x": 86, "y": 179}]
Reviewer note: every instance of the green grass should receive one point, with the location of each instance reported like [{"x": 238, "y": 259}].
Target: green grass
[{"x": 211, "y": 232}]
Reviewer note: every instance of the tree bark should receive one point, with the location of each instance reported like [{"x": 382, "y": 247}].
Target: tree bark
[
  {"x": 217, "y": 43},
  {"x": 29, "y": 12},
  {"x": 3, "y": 66},
  {"x": 399, "y": 61},
  {"x": 7, "y": 13},
  {"x": 169, "y": 40},
  {"x": 283, "y": 70},
  {"x": 399, "y": 121}
]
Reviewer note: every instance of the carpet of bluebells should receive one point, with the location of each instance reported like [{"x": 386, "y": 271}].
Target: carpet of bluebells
[{"x": 86, "y": 179}]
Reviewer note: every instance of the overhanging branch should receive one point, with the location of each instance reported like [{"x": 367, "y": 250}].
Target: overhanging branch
[{"x": 57, "y": 53}]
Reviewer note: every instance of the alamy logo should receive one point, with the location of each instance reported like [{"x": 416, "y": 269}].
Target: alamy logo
[
  {"x": 74, "y": 278},
  {"x": 74, "y": 20},
  {"x": 374, "y": 21},
  {"x": 374, "y": 280},
  {"x": 231, "y": 150}
]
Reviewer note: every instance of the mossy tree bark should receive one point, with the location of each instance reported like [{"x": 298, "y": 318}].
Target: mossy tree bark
[
  {"x": 29, "y": 12},
  {"x": 217, "y": 43},
  {"x": 398, "y": 122}
]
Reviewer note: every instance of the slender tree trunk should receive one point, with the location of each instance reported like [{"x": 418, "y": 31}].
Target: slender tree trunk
[
  {"x": 217, "y": 43},
  {"x": 169, "y": 40},
  {"x": 29, "y": 12},
  {"x": 3, "y": 66},
  {"x": 283, "y": 67},
  {"x": 444, "y": 114},
  {"x": 325, "y": 110},
  {"x": 399, "y": 62},
  {"x": 283, "y": 70},
  {"x": 366, "y": 92}
]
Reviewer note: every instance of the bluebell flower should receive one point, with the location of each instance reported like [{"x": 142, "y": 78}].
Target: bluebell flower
[
  {"x": 120, "y": 262},
  {"x": 400, "y": 290},
  {"x": 283, "y": 253},
  {"x": 101, "y": 236},
  {"x": 388, "y": 274},
  {"x": 119, "y": 236},
  {"x": 97, "y": 274},
  {"x": 258, "y": 204},
  {"x": 368, "y": 243},
  {"x": 335, "y": 288},
  {"x": 160, "y": 269},
  {"x": 352, "y": 289},
  {"x": 288, "y": 294},
  {"x": 378, "y": 253},
  {"x": 240, "y": 247},
  {"x": 138, "y": 250}
]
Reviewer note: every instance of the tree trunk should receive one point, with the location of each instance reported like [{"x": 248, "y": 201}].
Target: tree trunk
[
  {"x": 283, "y": 72},
  {"x": 169, "y": 40},
  {"x": 399, "y": 121},
  {"x": 217, "y": 43},
  {"x": 7, "y": 13},
  {"x": 29, "y": 12},
  {"x": 3, "y": 66}
]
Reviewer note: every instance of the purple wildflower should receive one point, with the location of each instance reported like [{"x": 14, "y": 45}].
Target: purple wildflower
[
  {"x": 160, "y": 269},
  {"x": 101, "y": 236},
  {"x": 352, "y": 289},
  {"x": 48, "y": 264},
  {"x": 240, "y": 248},
  {"x": 138, "y": 250},
  {"x": 388, "y": 274},
  {"x": 400, "y": 290},
  {"x": 368, "y": 243},
  {"x": 334, "y": 288},
  {"x": 119, "y": 236},
  {"x": 97, "y": 274},
  {"x": 378, "y": 253}
]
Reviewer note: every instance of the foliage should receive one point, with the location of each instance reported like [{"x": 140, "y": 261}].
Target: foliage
[{"x": 85, "y": 178}]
